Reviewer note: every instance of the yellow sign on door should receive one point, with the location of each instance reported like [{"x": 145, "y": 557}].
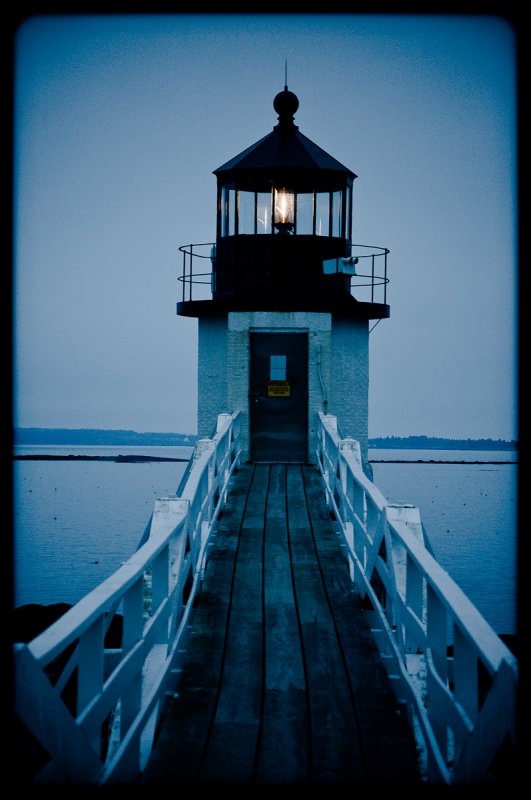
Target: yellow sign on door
[{"x": 278, "y": 389}]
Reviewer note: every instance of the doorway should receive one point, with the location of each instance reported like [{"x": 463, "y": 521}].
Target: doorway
[{"x": 278, "y": 397}]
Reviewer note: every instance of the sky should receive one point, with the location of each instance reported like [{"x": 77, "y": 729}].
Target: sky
[{"x": 119, "y": 122}]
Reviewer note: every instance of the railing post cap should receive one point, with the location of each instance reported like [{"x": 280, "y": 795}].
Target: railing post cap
[
  {"x": 351, "y": 446},
  {"x": 331, "y": 421},
  {"x": 349, "y": 443},
  {"x": 224, "y": 419},
  {"x": 403, "y": 512},
  {"x": 202, "y": 446}
]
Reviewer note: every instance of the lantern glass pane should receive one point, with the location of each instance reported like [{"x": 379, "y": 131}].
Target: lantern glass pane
[
  {"x": 225, "y": 211},
  {"x": 263, "y": 212},
  {"x": 336, "y": 214},
  {"x": 322, "y": 213},
  {"x": 232, "y": 212},
  {"x": 305, "y": 214},
  {"x": 246, "y": 212}
]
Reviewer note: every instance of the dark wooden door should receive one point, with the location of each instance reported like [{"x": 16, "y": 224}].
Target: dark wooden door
[{"x": 278, "y": 397}]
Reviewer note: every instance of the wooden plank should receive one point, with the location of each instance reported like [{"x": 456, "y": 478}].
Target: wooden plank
[
  {"x": 284, "y": 745},
  {"x": 336, "y": 754},
  {"x": 229, "y": 756}
]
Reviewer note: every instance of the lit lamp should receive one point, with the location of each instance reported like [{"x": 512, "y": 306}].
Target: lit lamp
[{"x": 284, "y": 211}]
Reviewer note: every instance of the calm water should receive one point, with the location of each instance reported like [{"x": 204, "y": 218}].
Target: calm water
[{"x": 77, "y": 522}]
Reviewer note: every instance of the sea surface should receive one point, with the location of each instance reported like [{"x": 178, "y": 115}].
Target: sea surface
[{"x": 76, "y": 522}]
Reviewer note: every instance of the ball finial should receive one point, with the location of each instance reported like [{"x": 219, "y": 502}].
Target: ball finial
[{"x": 286, "y": 104}]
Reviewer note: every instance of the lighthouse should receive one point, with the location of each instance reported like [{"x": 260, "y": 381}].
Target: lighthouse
[{"x": 284, "y": 330}]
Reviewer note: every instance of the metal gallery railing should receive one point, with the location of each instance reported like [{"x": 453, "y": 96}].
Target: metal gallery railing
[
  {"x": 452, "y": 671},
  {"x": 366, "y": 266},
  {"x": 92, "y": 703}
]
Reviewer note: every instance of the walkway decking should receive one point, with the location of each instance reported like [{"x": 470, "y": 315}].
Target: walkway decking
[{"x": 282, "y": 682}]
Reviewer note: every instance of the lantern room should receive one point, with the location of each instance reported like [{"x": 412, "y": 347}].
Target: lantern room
[
  {"x": 284, "y": 208},
  {"x": 284, "y": 232}
]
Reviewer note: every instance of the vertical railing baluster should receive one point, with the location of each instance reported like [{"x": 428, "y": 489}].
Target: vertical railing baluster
[
  {"x": 133, "y": 622},
  {"x": 385, "y": 277},
  {"x": 90, "y": 672},
  {"x": 160, "y": 585},
  {"x": 185, "y": 281},
  {"x": 465, "y": 673},
  {"x": 414, "y": 597},
  {"x": 191, "y": 268},
  {"x": 436, "y": 629}
]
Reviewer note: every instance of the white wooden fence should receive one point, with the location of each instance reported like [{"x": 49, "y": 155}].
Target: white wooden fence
[
  {"x": 97, "y": 720},
  {"x": 457, "y": 678}
]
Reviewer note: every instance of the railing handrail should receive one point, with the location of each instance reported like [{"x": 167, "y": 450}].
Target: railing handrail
[
  {"x": 154, "y": 591},
  {"x": 419, "y": 613}
]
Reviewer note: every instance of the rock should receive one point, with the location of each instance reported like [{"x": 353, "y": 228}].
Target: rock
[{"x": 31, "y": 619}]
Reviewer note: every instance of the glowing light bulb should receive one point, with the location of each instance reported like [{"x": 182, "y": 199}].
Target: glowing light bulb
[{"x": 284, "y": 210}]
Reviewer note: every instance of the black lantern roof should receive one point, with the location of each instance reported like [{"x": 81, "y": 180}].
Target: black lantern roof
[{"x": 285, "y": 152}]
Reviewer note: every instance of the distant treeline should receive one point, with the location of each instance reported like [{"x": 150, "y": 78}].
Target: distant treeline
[
  {"x": 438, "y": 443},
  {"x": 97, "y": 436},
  {"x": 102, "y": 437}
]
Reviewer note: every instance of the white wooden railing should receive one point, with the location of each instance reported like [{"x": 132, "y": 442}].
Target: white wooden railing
[
  {"x": 97, "y": 720},
  {"x": 454, "y": 674}
]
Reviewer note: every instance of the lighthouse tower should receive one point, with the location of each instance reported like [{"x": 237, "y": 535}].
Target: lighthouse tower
[{"x": 282, "y": 334}]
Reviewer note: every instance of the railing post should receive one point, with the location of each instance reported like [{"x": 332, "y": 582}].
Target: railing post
[
  {"x": 331, "y": 421},
  {"x": 352, "y": 447},
  {"x": 408, "y": 515},
  {"x": 204, "y": 446},
  {"x": 403, "y": 570},
  {"x": 225, "y": 420}
]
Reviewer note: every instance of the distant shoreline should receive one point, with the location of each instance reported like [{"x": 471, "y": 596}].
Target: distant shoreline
[
  {"x": 431, "y": 461},
  {"x": 129, "y": 459},
  {"x": 132, "y": 459},
  {"x": 96, "y": 437}
]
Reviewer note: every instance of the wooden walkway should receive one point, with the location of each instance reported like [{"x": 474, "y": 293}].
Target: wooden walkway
[{"x": 282, "y": 682}]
